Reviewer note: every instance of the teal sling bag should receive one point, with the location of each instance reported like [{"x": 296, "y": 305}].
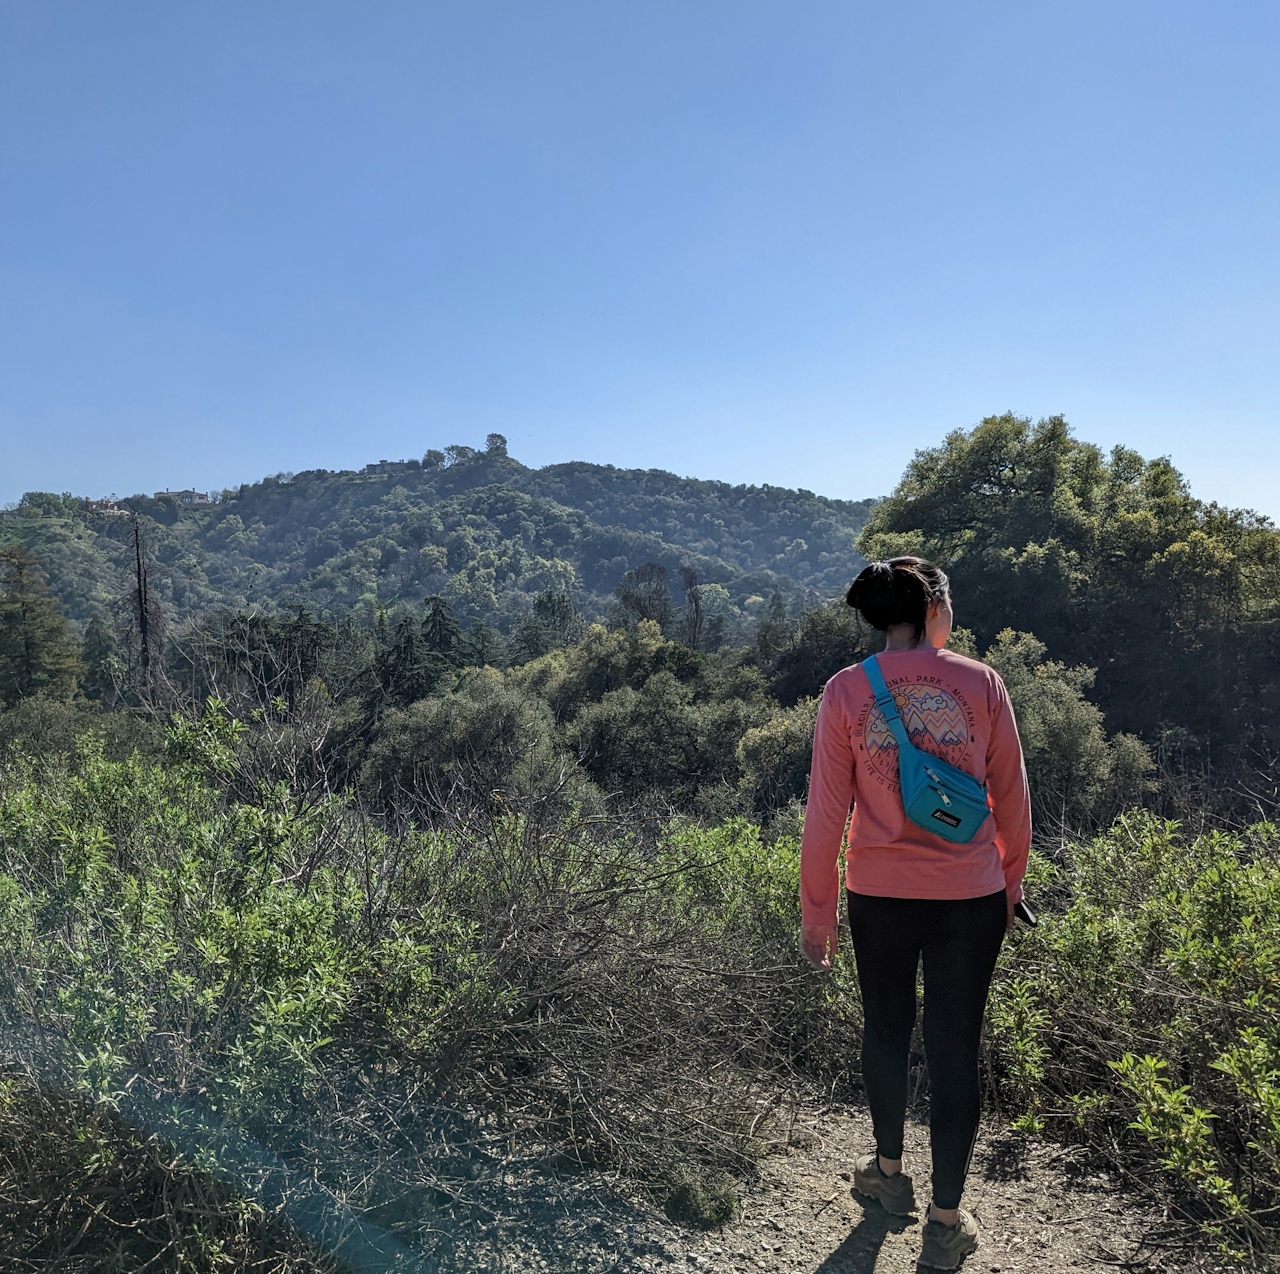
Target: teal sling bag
[{"x": 936, "y": 796}]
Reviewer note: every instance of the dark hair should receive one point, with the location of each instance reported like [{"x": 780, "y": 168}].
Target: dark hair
[{"x": 899, "y": 591}]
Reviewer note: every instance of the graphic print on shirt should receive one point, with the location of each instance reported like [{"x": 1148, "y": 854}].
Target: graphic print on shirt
[{"x": 937, "y": 720}]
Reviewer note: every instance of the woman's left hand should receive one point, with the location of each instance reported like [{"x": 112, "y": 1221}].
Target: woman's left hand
[{"x": 818, "y": 942}]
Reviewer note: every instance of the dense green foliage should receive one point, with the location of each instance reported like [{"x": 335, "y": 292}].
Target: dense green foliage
[
  {"x": 1109, "y": 562},
  {"x": 478, "y": 528},
  {"x": 1142, "y": 1012},
  {"x": 1112, "y": 563},
  {"x": 622, "y": 714}
]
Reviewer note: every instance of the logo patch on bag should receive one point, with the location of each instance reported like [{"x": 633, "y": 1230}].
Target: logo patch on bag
[{"x": 943, "y": 817}]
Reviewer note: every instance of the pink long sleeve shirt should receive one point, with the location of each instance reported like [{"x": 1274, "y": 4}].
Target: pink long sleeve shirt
[{"x": 955, "y": 708}]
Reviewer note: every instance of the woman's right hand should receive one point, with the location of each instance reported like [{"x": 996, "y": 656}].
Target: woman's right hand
[{"x": 818, "y": 943}]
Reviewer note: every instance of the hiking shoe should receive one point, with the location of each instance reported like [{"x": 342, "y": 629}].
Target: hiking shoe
[
  {"x": 896, "y": 1193},
  {"x": 945, "y": 1246}
]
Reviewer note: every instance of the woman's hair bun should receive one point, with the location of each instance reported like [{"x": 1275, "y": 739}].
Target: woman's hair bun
[
  {"x": 873, "y": 586},
  {"x": 899, "y": 591}
]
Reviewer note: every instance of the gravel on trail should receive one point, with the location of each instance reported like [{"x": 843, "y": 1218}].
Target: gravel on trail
[{"x": 1039, "y": 1206}]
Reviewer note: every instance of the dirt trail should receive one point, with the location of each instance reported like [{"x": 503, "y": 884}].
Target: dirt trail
[{"x": 1038, "y": 1208}]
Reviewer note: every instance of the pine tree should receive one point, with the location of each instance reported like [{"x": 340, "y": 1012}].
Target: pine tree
[
  {"x": 694, "y": 620},
  {"x": 558, "y": 613},
  {"x": 440, "y": 629},
  {"x": 555, "y": 622},
  {"x": 406, "y": 669},
  {"x": 144, "y": 621},
  {"x": 38, "y": 653}
]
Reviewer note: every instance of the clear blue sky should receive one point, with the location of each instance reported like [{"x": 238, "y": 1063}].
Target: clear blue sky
[{"x": 785, "y": 242}]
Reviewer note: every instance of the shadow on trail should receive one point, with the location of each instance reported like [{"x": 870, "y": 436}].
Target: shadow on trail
[
  {"x": 858, "y": 1253},
  {"x": 1007, "y": 1159}
]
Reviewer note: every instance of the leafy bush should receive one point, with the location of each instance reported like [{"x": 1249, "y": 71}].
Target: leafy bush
[
  {"x": 486, "y": 735},
  {"x": 1141, "y": 1015},
  {"x": 775, "y": 758},
  {"x": 660, "y": 739}
]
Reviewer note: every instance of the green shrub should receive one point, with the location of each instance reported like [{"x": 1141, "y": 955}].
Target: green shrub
[
  {"x": 660, "y": 739},
  {"x": 397, "y": 1005},
  {"x": 775, "y": 758},
  {"x": 1142, "y": 1012},
  {"x": 486, "y": 735}
]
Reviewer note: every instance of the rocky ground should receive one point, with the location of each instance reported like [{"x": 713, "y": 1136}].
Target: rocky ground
[{"x": 1039, "y": 1207}]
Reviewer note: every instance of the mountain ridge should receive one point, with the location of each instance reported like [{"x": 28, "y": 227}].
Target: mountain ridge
[{"x": 477, "y": 527}]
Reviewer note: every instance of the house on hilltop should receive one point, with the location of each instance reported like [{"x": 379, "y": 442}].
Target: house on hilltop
[
  {"x": 184, "y": 497},
  {"x": 388, "y": 466}
]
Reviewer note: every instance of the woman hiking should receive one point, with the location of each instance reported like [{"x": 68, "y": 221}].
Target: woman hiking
[{"x": 912, "y": 891}]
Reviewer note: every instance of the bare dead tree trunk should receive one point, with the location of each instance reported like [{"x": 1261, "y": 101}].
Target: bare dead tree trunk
[{"x": 142, "y": 604}]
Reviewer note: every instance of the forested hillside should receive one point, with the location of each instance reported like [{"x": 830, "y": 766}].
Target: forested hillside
[{"x": 476, "y": 527}]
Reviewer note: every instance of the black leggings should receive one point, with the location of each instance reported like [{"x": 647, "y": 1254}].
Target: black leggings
[{"x": 960, "y": 940}]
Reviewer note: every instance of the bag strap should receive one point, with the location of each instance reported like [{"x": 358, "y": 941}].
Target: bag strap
[{"x": 887, "y": 705}]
